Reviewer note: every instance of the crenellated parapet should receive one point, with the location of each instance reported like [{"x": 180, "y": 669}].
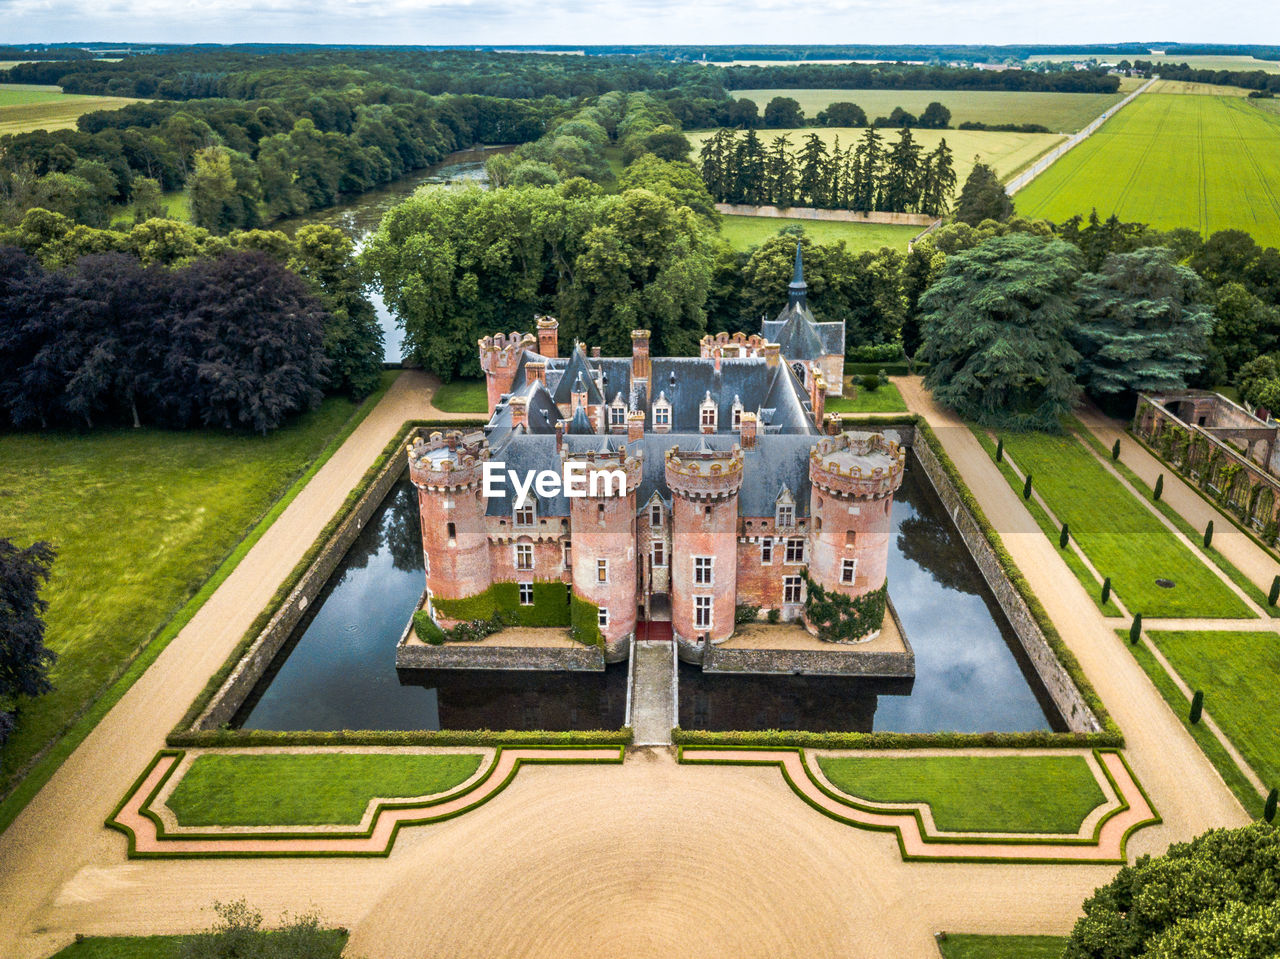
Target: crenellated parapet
[
  {"x": 448, "y": 461},
  {"x": 857, "y": 465},
  {"x": 499, "y": 358},
  {"x": 731, "y": 345},
  {"x": 704, "y": 474},
  {"x": 599, "y": 464}
]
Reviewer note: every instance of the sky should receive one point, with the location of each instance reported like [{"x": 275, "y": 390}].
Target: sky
[{"x": 639, "y": 21}]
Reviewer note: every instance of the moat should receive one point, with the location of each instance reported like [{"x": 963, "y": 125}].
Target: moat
[{"x": 338, "y": 669}]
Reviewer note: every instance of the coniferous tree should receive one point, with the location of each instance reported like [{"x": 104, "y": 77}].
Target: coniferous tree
[
  {"x": 812, "y": 179},
  {"x": 901, "y": 190},
  {"x": 870, "y": 157},
  {"x": 781, "y": 173},
  {"x": 938, "y": 180},
  {"x": 983, "y": 197},
  {"x": 750, "y": 185}
]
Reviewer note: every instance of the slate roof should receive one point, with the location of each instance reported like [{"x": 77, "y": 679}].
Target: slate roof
[
  {"x": 798, "y": 335},
  {"x": 577, "y": 369}
]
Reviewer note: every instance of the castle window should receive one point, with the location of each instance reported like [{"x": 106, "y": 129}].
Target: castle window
[
  {"x": 602, "y": 571},
  {"x": 599, "y": 512},
  {"x": 568, "y": 554},
  {"x": 702, "y": 570},
  {"x": 526, "y": 594},
  {"x": 792, "y": 590},
  {"x": 795, "y": 551},
  {"x": 526, "y": 515},
  {"x": 850, "y": 537},
  {"x": 655, "y": 514},
  {"x": 737, "y": 415},
  {"x": 702, "y": 612},
  {"x": 817, "y": 523},
  {"x": 659, "y": 552},
  {"x": 662, "y": 416},
  {"x": 766, "y": 550},
  {"x": 786, "y": 515},
  {"x": 602, "y": 618},
  {"x": 524, "y": 556},
  {"x": 426, "y": 562},
  {"x": 848, "y": 568},
  {"x": 453, "y": 533},
  {"x": 617, "y": 416},
  {"x": 708, "y": 417}
]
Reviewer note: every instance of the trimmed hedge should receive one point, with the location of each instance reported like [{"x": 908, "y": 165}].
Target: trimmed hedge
[
  {"x": 400, "y": 737},
  {"x": 863, "y": 369},
  {"x": 1038, "y": 739},
  {"x": 584, "y": 618},
  {"x": 550, "y": 604}
]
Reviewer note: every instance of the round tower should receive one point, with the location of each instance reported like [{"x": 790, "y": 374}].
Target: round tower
[
  {"x": 854, "y": 476},
  {"x": 448, "y": 474},
  {"x": 704, "y": 536},
  {"x": 603, "y": 536}
]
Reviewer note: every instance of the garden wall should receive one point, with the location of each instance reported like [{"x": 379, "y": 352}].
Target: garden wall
[{"x": 842, "y": 216}]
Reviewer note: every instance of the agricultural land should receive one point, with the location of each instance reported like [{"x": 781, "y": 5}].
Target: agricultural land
[
  {"x": 744, "y": 232},
  {"x": 27, "y": 107}
]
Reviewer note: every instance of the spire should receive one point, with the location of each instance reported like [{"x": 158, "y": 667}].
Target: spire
[{"x": 798, "y": 290}]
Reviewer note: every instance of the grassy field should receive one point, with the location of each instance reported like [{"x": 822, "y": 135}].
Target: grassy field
[
  {"x": 1208, "y": 62},
  {"x": 1197, "y": 89},
  {"x": 1119, "y": 534},
  {"x": 1204, "y": 162},
  {"x": 957, "y": 946},
  {"x": 147, "y": 947},
  {"x": 309, "y": 789},
  {"x": 885, "y": 399},
  {"x": 744, "y": 232},
  {"x": 1007, "y": 153},
  {"x": 1065, "y": 112},
  {"x": 27, "y": 107},
  {"x": 1050, "y": 794},
  {"x": 462, "y": 396},
  {"x": 140, "y": 518},
  {"x": 1240, "y": 675}
]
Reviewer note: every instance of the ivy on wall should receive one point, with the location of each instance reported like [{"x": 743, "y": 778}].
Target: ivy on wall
[{"x": 839, "y": 618}]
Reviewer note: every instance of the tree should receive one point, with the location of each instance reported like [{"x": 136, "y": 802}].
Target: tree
[
  {"x": 842, "y": 114},
  {"x": 743, "y": 114},
  {"x": 900, "y": 192},
  {"x": 938, "y": 180},
  {"x": 1244, "y": 327},
  {"x": 1212, "y": 897},
  {"x": 238, "y": 934},
  {"x": 224, "y": 190},
  {"x": 983, "y": 197},
  {"x": 678, "y": 181},
  {"x": 780, "y": 172},
  {"x": 935, "y": 117},
  {"x": 996, "y": 330},
  {"x": 25, "y": 661},
  {"x": 783, "y": 112},
  {"x": 147, "y": 199},
  {"x": 814, "y": 181},
  {"x": 1143, "y": 327}
]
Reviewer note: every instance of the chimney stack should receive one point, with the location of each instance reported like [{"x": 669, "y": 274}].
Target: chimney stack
[
  {"x": 747, "y": 426},
  {"x": 640, "y": 361},
  {"x": 595, "y": 352},
  {"x": 770, "y": 351},
  {"x": 549, "y": 337},
  {"x": 536, "y": 371},
  {"x": 559, "y": 435},
  {"x": 519, "y": 412},
  {"x": 635, "y": 425}
]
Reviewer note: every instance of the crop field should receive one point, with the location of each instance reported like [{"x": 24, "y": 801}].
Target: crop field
[
  {"x": 1060, "y": 112},
  {"x": 1207, "y": 163},
  {"x": 744, "y": 232},
  {"x": 1007, "y": 153},
  {"x": 26, "y": 107},
  {"x": 1196, "y": 63},
  {"x": 1199, "y": 89}
]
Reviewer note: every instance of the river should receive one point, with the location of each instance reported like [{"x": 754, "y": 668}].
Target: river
[{"x": 360, "y": 218}]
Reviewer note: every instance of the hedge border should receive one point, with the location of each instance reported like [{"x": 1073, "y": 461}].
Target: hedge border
[
  {"x": 50, "y": 760},
  {"x": 145, "y": 809},
  {"x": 943, "y": 840}
]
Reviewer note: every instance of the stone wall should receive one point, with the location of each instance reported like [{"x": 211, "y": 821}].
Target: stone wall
[
  {"x": 224, "y": 704},
  {"x": 1053, "y": 675},
  {"x": 476, "y": 656},
  {"x": 842, "y": 216}
]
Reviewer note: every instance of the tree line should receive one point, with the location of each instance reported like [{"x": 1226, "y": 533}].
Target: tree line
[
  {"x": 1259, "y": 80},
  {"x": 901, "y": 76},
  {"x": 898, "y": 178}
]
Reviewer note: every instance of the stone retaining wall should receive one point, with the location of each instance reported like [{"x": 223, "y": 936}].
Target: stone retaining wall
[
  {"x": 224, "y": 704},
  {"x": 475, "y": 656},
  {"x": 842, "y": 216}
]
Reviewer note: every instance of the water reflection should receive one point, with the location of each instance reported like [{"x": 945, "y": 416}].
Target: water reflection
[{"x": 493, "y": 699}]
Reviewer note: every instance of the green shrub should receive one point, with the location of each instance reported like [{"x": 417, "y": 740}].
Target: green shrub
[
  {"x": 239, "y": 932},
  {"x": 1135, "y": 631},
  {"x": 1208, "y": 534},
  {"x": 1064, "y": 537},
  {"x": 870, "y": 382},
  {"x": 774, "y": 615},
  {"x": 1274, "y": 595},
  {"x": 1000, "y": 450},
  {"x": 745, "y": 613},
  {"x": 1106, "y": 590},
  {"x": 876, "y": 352},
  {"x": 882, "y": 376},
  {"x": 840, "y": 618},
  {"x": 1115, "y": 451},
  {"x": 1159, "y": 490},
  {"x": 1026, "y": 488},
  {"x": 585, "y": 622},
  {"x": 550, "y": 607},
  {"x": 427, "y": 629},
  {"x": 1197, "y": 707},
  {"x": 1269, "y": 810}
]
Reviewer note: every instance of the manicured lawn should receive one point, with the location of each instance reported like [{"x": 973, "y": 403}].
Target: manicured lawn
[
  {"x": 276, "y": 789},
  {"x": 462, "y": 396},
  {"x": 1240, "y": 675},
  {"x": 1204, "y": 162},
  {"x": 1049, "y": 794},
  {"x": 1121, "y": 537},
  {"x": 885, "y": 399},
  {"x": 140, "y": 518},
  {"x": 1007, "y": 153},
  {"x": 1060, "y": 112},
  {"x": 744, "y": 232},
  {"x": 957, "y": 946}
]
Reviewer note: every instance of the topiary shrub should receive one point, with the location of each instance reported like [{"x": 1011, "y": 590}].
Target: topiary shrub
[
  {"x": 426, "y": 628},
  {"x": 1208, "y": 534},
  {"x": 1197, "y": 707},
  {"x": 1159, "y": 487},
  {"x": 1269, "y": 810},
  {"x": 1135, "y": 631},
  {"x": 1115, "y": 451},
  {"x": 1106, "y": 590},
  {"x": 870, "y": 382},
  {"x": 839, "y": 618},
  {"x": 1000, "y": 450},
  {"x": 1026, "y": 488},
  {"x": 1274, "y": 595},
  {"x": 1064, "y": 537}
]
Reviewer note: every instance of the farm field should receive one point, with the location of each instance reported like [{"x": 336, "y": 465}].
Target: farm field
[
  {"x": 1197, "y": 89},
  {"x": 1196, "y": 63},
  {"x": 1060, "y": 112},
  {"x": 1204, "y": 162},
  {"x": 26, "y": 107},
  {"x": 744, "y": 232},
  {"x": 1007, "y": 153}
]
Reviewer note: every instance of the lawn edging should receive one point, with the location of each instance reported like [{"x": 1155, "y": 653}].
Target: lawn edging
[{"x": 47, "y": 761}]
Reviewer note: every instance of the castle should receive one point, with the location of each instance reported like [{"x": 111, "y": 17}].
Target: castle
[{"x": 736, "y": 483}]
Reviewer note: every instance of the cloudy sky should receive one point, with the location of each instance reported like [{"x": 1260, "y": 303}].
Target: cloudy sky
[{"x": 639, "y": 21}]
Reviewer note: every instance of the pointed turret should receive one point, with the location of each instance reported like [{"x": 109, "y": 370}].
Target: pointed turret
[{"x": 798, "y": 291}]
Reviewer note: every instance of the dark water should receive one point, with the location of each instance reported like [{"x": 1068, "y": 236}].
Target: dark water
[
  {"x": 360, "y": 218},
  {"x": 338, "y": 671},
  {"x": 971, "y": 672}
]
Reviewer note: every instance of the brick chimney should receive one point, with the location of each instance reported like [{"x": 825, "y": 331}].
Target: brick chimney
[
  {"x": 635, "y": 425},
  {"x": 549, "y": 337},
  {"x": 640, "y": 364},
  {"x": 519, "y": 412},
  {"x": 595, "y": 352},
  {"x": 834, "y": 423},
  {"x": 770, "y": 351},
  {"x": 559, "y": 435},
  {"x": 818, "y": 396},
  {"x": 536, "y": 371},
  {"x": 747, "y": 425}
]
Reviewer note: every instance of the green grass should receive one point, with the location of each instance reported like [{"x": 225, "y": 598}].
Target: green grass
[
  {"x": 462, "y": 396},
  {"x": 1060, "y": 112},
  {"x": 745, "y": 232},
  {"x": 1240, "y": 675},
  {"x": 280, "y": 789},
  {"x": 142, "y": 947},
  {"x": 1231, "y": 774},
  {"x": 885, "y": 399},
  {"x": 140, "y": 519},
  {"x": 1205, "y": 62},
  {"x": 1118, "y": 533},
  {"x": 958, "y": 946},
  {"x": 1007, "y": 153},
  {"x": 1204, "y": 162},
  {"x": 27, "y": 107},
  {"x": 1092, "y": 586},
  {"x": 1017, "y": 794}
]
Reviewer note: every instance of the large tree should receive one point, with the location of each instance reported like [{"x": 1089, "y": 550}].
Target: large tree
[
  {"x": 983, "y": 197},
  {"x": 1213, "y": 897},
  {"x": 24, "y": 659},
  {"x": 996, "y": 330},
  {"x": 1144, "y": 324}
]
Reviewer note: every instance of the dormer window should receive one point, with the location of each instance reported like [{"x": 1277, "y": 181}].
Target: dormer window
[
  {"x": 737, "y": 414},
  {"x": 526, "y": 515},
  {"x": 786, "y": 515},
  {"x": 707, "y": 416},
  {"x": 617, "y": 415},
  {"x": 662, "y": 414}
]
